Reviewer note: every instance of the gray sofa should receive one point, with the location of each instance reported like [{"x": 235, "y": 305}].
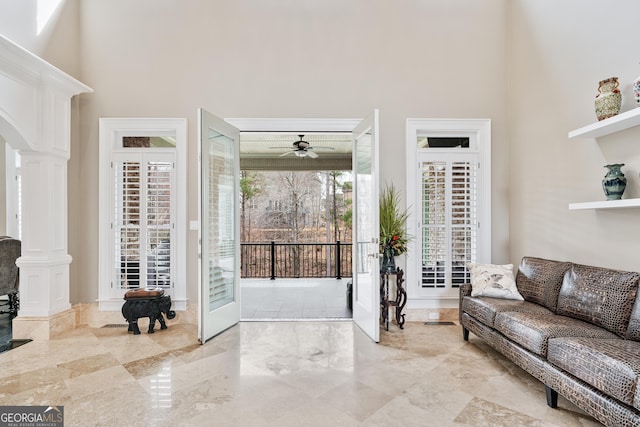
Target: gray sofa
[{"x": 577, "y": 331}]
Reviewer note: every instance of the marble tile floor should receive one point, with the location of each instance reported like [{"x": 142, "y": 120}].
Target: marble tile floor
[
  {"x": 278, "y": 374},
  {"x": 264, "y": 299}
]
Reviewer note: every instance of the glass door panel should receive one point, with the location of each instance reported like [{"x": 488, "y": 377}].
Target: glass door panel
[
  {"x": 219, "y": 230},
  {"x": 366, "y": 268}
]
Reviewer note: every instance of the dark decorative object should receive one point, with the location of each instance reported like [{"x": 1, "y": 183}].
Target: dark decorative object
[
  {"x": 10, "y": 250},
  {"x": 614, "y": 182},
  {"x": 350, "y": 294},
  {"x": 609, "y": 99},
  {"x": 145, "y": 303},
  {"x": 388, "y": 260},
  {"x": 398, "y": 302}
]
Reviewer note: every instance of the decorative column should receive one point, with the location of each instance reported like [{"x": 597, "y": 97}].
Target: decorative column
[
  {"x": 44, "y": 264},
  {"x": 35, "y": 118}
]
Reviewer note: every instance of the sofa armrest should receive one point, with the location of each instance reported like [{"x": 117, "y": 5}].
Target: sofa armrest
[{"x": 465, "y": 291}]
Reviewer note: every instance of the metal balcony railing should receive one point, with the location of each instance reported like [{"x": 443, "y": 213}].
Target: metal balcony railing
[{"x": 296, "y": 260}]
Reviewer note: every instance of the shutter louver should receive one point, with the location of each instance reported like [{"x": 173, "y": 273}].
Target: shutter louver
[
  {"x": 434, "y": 224},
  {"x": 158, "y": 227},
  {"x": 127, "y": 224},
  {"x": 464, "y": 220}
]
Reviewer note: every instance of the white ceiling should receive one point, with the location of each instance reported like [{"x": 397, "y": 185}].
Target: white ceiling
[{"x": 262, "y": 150}]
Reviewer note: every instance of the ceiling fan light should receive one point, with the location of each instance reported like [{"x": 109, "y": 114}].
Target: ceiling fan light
[{"x": 301, "y": 153}]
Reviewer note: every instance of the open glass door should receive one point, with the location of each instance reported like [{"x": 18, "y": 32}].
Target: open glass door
[
  {"x": 366, "y": 267},
  {"x": 219, "y": 296}
]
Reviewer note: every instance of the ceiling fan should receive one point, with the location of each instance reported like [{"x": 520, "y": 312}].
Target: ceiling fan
[{"x": 302, "y": 148}]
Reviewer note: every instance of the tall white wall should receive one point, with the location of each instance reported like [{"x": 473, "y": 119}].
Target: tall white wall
[
  {"x": 558, "y": 51},
  {"x": 289, "y": 58}
]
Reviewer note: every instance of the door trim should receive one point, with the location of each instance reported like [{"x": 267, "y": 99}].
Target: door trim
[{"x": 293, "y": 125}]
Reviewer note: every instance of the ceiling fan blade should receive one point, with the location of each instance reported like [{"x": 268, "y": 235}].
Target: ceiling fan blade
[
  {"x": 322, "y": 148},
  {"x": 287, "y": 153},
  {"x": 311, "y": 154}
]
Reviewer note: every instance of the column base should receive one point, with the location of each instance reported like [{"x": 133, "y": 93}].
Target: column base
[{"x": 43, "y": 327}]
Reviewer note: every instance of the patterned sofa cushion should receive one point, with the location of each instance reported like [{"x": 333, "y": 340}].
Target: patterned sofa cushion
[
  {"x": 533, "y": 330},
  {"x": 612, "y": 366},
  {"x": 633, "y": 331},
  {"x": 539, "y": 280},
  {"x": 600, "y": 296},
  {"x": 484, "y": 308}
]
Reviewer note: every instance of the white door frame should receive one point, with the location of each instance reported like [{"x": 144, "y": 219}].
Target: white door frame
[
  {"x": 111, "y": 131},
  {"x": 294, "y": 125},
  {"x": 479, "y": 131}
]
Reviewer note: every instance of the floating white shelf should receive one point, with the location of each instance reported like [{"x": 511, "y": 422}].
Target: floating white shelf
[
  {"x": 622, "y": 121},
  {"x": 606, "y": 204}
]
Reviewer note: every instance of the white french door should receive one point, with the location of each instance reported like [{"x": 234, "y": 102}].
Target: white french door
[
  {"x": 219, "y": 296},
  {"x": 366, "y": 266}
]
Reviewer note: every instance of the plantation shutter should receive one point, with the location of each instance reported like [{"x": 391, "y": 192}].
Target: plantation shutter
[
  {"x": 142, "y": 223},
  {"x": 449, "y": 226}
]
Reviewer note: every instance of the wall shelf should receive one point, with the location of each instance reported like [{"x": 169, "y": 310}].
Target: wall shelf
[
  {"x": 614, "y": 124},
  {"x": 606, "y": 204}
]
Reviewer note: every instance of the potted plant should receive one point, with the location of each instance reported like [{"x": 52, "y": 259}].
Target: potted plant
[{"x": 393, "y": 228}]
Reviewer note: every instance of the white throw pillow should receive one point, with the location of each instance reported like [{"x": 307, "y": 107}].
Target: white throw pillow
[{"x": 489, "y": 280}]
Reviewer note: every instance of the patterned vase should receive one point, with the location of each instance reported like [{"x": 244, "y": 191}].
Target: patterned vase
[
  {"x": 609, "y": 99},
  {"x": 614, "y": 182},
  {"x": 636, "y": 91}
]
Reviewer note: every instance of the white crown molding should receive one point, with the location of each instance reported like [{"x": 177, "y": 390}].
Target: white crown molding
[{"x": 21, "y": 65}]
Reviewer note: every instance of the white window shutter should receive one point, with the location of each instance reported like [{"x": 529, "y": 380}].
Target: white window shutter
[
  {"x": 142, "y": 223},
  {"x": 449, "y": 221}
]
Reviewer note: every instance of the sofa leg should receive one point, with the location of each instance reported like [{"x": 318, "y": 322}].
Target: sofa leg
[
  {"x": 465, "y": 333},
  {"x": 552, "y": 396}
]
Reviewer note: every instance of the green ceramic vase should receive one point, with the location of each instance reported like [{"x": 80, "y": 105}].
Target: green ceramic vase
[{"x": 614, "y": 182}]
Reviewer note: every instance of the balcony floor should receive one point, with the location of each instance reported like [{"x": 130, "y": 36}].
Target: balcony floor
[{"x": 264, "y": 299}]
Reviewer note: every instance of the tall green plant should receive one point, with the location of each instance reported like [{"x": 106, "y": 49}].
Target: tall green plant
[{"x": 393, "y": 222}]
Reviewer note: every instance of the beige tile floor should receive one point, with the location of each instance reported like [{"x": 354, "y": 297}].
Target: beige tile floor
[{"x": 278, "y": 374}]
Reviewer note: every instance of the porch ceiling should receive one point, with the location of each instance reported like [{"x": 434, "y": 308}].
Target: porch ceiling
[{"x": 262, "y": 150}]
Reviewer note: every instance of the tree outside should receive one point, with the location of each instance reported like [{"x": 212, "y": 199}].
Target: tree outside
[
  {"x": 304, "y": 213},
  {"x": 295, "y": 207}
]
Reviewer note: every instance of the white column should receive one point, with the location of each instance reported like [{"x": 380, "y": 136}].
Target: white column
[{"x": 44, "y": 264}]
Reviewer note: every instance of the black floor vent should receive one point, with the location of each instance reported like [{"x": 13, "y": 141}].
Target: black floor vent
[
  {"x": 439, "y": 323},
  {"x": 116, "y": 325}
]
